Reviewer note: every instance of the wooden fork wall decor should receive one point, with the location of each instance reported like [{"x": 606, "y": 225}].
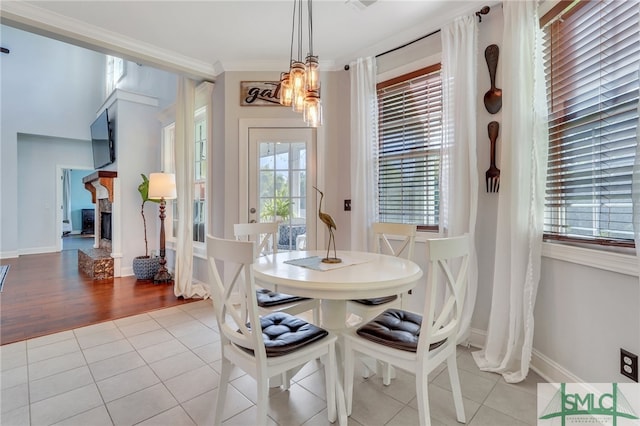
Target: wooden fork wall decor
[{"x": 493, "y": 174}]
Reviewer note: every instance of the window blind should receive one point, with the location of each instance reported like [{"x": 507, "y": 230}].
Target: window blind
[
  {"x": 591, "y": 59},
  {"x": 410, "y": 140}
]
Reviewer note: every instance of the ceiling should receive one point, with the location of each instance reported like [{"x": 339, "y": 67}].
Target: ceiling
[{"x": 215, "y": 35}]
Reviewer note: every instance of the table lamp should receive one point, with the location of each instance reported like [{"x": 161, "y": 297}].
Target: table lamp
[{"x": 162, "y": 186}]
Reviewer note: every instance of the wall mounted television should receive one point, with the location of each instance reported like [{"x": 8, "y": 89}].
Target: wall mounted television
[{"x": 102, "y": 141}]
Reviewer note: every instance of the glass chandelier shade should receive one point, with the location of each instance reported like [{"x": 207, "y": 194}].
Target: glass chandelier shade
[
  {"x": 300, "y": 86},
  {"x": 299, "y": 97},
  {"x": 311, "y": 69},
  {"x": 286, "y": 91},
  {"x": 313, "y": 109},
  {"x": 297, "y": 76}
]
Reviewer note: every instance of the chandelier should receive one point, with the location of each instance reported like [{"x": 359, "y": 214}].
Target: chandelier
[{"x": 300, "y": 86}]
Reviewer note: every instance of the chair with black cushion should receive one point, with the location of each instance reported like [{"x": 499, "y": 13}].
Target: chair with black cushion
[
  {"x": 263, "y": 347},
  {"x": 419, "y": 343},
  {"x": 369, "y": 308},
  {"x": 265, "y": 235}
]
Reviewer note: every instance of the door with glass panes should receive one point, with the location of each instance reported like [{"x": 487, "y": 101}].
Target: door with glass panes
[{"x": 281, "y": 179}]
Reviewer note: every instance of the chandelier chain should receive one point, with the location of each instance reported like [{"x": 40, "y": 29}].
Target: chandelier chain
[
  {"x": 293, "y": 26},
  {"x": 310, "y": 13},
  {"x": 300, "y": 39},
  {"x": 299, "y": 87}
]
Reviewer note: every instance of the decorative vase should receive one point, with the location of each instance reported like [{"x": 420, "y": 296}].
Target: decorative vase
[{"x": 145, "y": 267}]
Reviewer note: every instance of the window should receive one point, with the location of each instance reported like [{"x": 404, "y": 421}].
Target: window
[
  {"x": 592, "y": 58},
  {"x": 200, "y": 176},
  {"x": 168, "y": 166},
  {"x": 114, "y": 73},
  {"x": 410, "y": 140}
]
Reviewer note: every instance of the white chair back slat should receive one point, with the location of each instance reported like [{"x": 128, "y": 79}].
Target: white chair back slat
[
  {"x": 236, "y": 321},
  {"x": 448, "y": 264},
  {"x": 241, "y": 341},
  {"x": 265, "y": 235},
  {"x": 382, "y": 243}
]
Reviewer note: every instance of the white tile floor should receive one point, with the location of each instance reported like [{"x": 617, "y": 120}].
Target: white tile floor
[{"x": 161, "y": 368}]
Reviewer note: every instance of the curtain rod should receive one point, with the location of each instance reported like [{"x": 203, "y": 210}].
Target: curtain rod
[
  {"x": 479, "y": 14},
  {"x": 408, "y": 43}
]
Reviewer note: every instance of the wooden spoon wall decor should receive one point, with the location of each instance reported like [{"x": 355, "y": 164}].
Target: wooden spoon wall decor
[{"x": 493, "y": 97}]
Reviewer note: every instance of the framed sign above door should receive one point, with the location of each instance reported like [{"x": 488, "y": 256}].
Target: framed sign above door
[{"x": 260, "y": 93}]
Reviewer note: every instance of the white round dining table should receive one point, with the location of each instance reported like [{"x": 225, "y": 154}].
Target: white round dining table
[{"x": 360, "y": 275}]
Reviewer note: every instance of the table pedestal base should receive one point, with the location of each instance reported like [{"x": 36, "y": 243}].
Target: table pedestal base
[{"x": 334, "y": 315}]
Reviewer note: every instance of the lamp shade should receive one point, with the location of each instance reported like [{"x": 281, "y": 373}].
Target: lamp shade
[{"x": 162, "y": 185}]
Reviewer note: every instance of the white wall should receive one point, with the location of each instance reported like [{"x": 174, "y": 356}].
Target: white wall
[
  {"x": 489, "y": 32},
  {"x": 36, "y": 184},
  {"x": 137, "y": 140},
  {"x": 337, "y": 155},
  {"x": 224, "y": 159},
  {"x": 40, "y": 98},
  {"x": 583, "y": 315},
  {"x": 51, "y": 93},
  {"x": 335, "y": 133},
  {"x": 150, "y": 81}
]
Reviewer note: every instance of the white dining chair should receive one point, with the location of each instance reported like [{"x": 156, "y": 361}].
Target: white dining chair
[
  {"x": 369, "y": 308},
  {"x": 265, "y": 235},
  {"x": 419, "y": 343},
  {"x": 262, "y": 347}
]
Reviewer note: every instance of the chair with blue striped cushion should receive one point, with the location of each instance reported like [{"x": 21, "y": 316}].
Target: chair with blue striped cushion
[
  {"x": 420, "y": 343},
  {"x": 262, "y": 346},
  {"x": 265, "y": 235}
]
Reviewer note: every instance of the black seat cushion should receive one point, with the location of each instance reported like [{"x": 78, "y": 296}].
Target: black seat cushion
[
  {"x": 283, "y": 333},
  {"x": 395, "y": 328},
  {"x": 267, "y": 298},
  {"x": 376, "y": 300}
]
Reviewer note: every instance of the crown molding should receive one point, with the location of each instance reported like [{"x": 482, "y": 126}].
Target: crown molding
[
  {"x": 267, "y": 65},
  {"x": 41, "y": 21}
]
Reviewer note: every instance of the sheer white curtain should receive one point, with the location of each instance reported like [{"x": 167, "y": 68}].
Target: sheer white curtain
[
  {"x": 184, "y": 155},
  {"x": 459, "y": 165},
  {"x": 521, "y": 201},
  {"x": 364, "y": 151}
]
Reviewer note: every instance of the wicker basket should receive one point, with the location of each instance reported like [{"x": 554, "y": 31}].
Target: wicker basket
[{"x": 145, "y": 267}]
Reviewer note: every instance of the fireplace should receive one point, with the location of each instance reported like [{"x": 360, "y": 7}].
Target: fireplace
[
  {"x": 98, "y": 262},
  {"x": 105, "y": 226}
]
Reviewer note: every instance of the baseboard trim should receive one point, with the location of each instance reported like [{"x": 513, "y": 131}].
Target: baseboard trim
[
  {"x": 38, "y": 250},
  {"x": 9, "y": 254},
  {"x": 126, "y": 272},
  {"x": 477, "y": 338},
  {"x": 550, "y": 370},
  {"x": 544, "y": 366}
]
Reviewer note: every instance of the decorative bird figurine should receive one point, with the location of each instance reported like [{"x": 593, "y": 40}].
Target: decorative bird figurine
[{"x": 331, "y": 224}]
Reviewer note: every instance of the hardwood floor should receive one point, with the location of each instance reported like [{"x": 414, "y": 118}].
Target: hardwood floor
[{"x": 45, "y": 293}]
